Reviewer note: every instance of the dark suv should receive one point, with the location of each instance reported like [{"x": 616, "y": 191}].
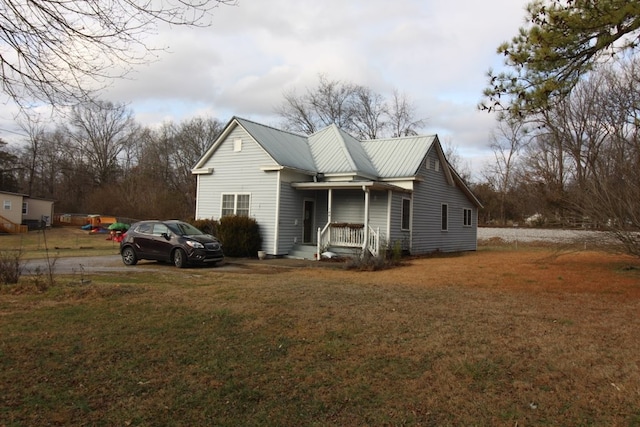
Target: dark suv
[{"x": 171, "y": 241}]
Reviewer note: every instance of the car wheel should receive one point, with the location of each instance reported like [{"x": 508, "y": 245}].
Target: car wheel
[
  {"x": 179, "y": 258},
  {"x": 129, "y": 256}
]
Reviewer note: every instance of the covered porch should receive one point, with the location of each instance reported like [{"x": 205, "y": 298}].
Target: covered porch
[{"x": 357, "y": 215}]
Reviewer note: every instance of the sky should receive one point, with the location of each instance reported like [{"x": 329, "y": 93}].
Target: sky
[{"x": 436, "y": 52}]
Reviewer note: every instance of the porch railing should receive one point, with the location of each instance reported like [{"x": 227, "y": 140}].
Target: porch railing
[
  {"x": 11, "y": 227},
  {"x": 347, "y": 236}
]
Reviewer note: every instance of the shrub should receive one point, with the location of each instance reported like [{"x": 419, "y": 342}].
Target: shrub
[
  {"x": 368, "y": 262},
  {"x": 240, "y": 236},
  {"x": 209, "y": 226},
  {"x": 10, "y": 267}
]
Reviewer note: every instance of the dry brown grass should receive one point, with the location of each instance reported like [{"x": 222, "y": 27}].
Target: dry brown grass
[
  {"x": 59, "y": 241},
  {"x": 497, "y": 337}
]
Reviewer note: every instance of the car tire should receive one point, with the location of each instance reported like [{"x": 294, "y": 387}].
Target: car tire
[
  {"x": 179, "y": 258},
  {"x": 129, "y": 256}
]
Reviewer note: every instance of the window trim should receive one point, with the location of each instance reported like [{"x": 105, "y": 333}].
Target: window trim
[
  {"x": 235, "y": 204},
  {"x": 467, "y": 217},
  {"x": 408, "y": 214},
  {"x": 444, "y": 217}
]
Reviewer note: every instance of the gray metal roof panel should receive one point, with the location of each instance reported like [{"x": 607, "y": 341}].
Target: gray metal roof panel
[
  {"x": 335, "y": 151},
  {"x": 398, "y": 157},
  {"x": 286, "y": 148}
]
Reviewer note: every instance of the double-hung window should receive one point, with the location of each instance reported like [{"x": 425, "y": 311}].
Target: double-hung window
[
  {"x": 466, "y": 217},
  {"x": 235, "y": 204},
  {"x": 444, "y": 217},
  {"x": 406, "y": 214}
]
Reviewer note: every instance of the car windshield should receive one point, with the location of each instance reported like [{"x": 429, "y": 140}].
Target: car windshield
[{"x": 184, "y": 229}]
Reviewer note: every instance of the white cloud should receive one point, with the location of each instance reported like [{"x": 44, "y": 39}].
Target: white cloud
[{"x": 437, "y": 52}]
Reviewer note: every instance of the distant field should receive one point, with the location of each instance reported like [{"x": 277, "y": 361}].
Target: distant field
[{"x": 533, "y": 336}]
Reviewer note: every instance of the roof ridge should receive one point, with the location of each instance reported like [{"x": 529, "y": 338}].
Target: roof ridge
[
  {"x": 396, "y": 138},
  {"x": 270, "y": 127},
  {"x": 344, "y": 146}
]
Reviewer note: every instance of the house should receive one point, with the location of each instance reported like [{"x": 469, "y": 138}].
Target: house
[
  {"x": 19, "y": 212},
  {"x": 330, "y": 190}
]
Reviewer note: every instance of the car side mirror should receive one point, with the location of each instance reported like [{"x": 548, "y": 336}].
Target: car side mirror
[{"x": 166, "y": 236}]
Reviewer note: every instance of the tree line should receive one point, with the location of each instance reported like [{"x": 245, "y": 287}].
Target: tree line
[
  {"x": 101, "y": 160},
  {"x": 566, "y": 147}
]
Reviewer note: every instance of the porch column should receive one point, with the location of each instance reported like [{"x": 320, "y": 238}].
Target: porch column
[
  {"x": 329, "y": 202},
  {"x": 365, "y": 244}
]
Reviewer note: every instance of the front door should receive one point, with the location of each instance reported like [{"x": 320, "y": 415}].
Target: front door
[{"x": 308, "y": 222}]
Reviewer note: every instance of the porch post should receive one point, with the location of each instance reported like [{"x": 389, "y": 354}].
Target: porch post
[
  {"x": 329, "y": 202},
  {"x": 366, "y": 220}
]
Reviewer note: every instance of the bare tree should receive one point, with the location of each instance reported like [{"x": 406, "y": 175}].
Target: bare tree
[
  {"x": 35, "y": 130},
  {"x": 8, "y": 168},
  {"x": 56, "y": 51},
  {"x": 402, "y": 118},
  {"x": 100, "y": 131},
  {"x": 452, "y": 154},
  {"x": 331, "y": 102},
  {"x": 354, "y": 108},
  {"x": 370, "y": 116},
  {"x": 190, "y": 141},
  {"x": 507, "y": 141}
]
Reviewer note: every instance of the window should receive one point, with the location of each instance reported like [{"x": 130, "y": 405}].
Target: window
[
  {"x": 466, "y": 217},
  {"x": 145, "y": 228},
  {"x": 445, "y": 217},
  {"x": 25, "y": 208},
  {"x": 7, "y": 205},
  {"x": 158, "y": 229},
  {"x": 235, "y": 204},
  {"x": 406, "y": 214},
  {"x": 228, "y": 204}
]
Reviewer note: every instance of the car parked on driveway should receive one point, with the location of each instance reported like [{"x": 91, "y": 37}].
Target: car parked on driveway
[{"x": 172, "y": 241}]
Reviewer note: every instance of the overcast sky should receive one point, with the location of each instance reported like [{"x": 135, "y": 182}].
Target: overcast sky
[{"x": 435, "y": 51}]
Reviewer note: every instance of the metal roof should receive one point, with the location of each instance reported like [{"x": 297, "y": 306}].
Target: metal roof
[
  {"x": 335, "y": 151},
  {"x": 286, "y": 148},
  {"x": 332, "y": 150},
  {"x": 398, "y": 157}
]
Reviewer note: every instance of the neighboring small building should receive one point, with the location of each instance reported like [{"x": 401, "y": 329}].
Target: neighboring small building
[
  {"x": 19, "y": 212},
  {"x": 332, "y": 190}
]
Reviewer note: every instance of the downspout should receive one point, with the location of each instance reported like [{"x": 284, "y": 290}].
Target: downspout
[
  {"x": 197, "y": 196},
  {"x": 365, "y": 244},
  {"x": 277, "y": 216},
  {"x": 389, "y": 204},
  {"x": 411, "y": 224}
]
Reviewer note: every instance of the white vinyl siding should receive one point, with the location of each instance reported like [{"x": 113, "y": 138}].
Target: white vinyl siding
[{"x": 238, "y": 173}]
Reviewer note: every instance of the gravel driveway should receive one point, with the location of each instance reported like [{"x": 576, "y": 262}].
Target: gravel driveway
[
  {"x": 103, "y": 263},
  {"x": 113, "y": 263},
  {"x": 517, "y": 234}
]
